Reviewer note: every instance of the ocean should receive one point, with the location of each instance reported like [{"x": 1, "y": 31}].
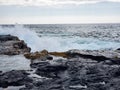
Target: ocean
[
  {"x": 63, "y": 37},
  {"x": 59, "y": 37}
]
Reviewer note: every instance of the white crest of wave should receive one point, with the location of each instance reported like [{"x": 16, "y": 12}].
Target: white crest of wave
[
  {"x": 30, "y": 37},
  {"x": 24, "y": 34},
  {"x": 56, "y": 43}
]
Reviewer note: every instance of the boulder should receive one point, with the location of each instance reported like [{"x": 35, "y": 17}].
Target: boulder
[
  {"x": 11, "y": 45},
  {"x": 118, "y": 49},
  {"x": 51, "y": 71},
  {"x": 0, "y": 72},
  {"x": 14, "y": 78},
  {"x": 43, "y": 55},
  {"x": 4, "y": 38}
]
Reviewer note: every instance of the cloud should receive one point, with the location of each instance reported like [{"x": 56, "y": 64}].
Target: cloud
[{"x": 50, "y": 2}]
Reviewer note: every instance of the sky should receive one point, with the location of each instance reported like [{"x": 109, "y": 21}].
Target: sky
[{"x": 59, "y": 11}]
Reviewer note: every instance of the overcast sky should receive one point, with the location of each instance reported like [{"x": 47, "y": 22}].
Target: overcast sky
[{"x": 59, "y": 11}]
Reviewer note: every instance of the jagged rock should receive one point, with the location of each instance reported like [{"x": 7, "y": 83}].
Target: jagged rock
[
  {"x": 98, "y": 55},
  {"x": 107, "y": 56},
  {"x": 59, "y": 54},
  {"x": 43, "y": 55},
  {"x": 49, "y": 70},
  {"x": 0, "y": 72},
  {"x": 44, "y": 52},
  {"x": 78, "y": 70},
  {"x": 72, "y": 74},
  {"x": 39, "y": 64},
  {"x": 11, "y": 45},
  {"x": 14, "y": 78},
  {"x": 118, "y": 49},
  {"x": 4, "y": 38}
]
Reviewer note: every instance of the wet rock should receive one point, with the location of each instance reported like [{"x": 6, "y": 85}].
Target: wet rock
[
  {"x": 118, "y": 49},
  {"x": 77, "y": 87},
  {"x": 59, "y": 54},
  {"x": 78, "y": 70},
  {"x": 113, "y": 62},
  {"x": 49, "y": 57},
  {"x": 0, "y": 72},
  {"x": 14, "y": 78},
  {"x": 106, "y": 56},
  {"x": 43, "y": 55},
  {"x": 45, "y": 85},
  {"x": 39, "y": 64},
  {"x": 87, "y": 55},
  {"x": 97, "y": 55},
  {"x": 74, "y": 75},
  {"x": 11, "y": 45},
  {"x": 51, "y": 71},
  {"x": 113, "y": 84},
  {"x": 4, "y": 38}
]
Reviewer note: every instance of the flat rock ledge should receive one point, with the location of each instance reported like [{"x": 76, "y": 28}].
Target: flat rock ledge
[{"x": 12, "y": 45}]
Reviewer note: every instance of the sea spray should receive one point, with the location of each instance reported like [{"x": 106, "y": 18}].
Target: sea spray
[
  {"x": 56, "y": 42},
  {"x": 31, "y": 38}
]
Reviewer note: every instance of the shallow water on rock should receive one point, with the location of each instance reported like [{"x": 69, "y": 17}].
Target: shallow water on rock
[
  {"x": 17, "y": 62},
  {"x": 12, "y": 88}
]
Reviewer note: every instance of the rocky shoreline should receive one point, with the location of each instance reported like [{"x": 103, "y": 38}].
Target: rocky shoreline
[
  {"x": 12, "y": 45},
  {"x": 70, "y": 70}
]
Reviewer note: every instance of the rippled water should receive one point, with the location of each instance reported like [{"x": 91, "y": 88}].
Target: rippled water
[
  {"x": 62, "y": 37},
  {"x": 17, "y": 62}
]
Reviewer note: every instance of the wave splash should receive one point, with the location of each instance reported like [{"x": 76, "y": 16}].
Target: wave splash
[
  {"x": 30, "y": 37},
  {"x": 56, "y": 43}
]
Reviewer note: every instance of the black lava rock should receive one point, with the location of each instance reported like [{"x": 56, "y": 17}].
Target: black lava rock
[{"x": 14, "y": 78}]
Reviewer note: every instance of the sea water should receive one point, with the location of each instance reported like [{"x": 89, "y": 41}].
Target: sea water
[
  {"x": 17, "y": 62},
  {"x": 60, "y": 37}
]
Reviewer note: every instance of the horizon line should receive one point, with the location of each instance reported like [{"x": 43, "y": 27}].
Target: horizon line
[{"x": 60, "y": 23}]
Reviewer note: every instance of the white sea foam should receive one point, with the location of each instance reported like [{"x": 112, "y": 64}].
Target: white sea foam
[
  {"x": 30, "y": 37},
  {"x": 54, "y": 43}
]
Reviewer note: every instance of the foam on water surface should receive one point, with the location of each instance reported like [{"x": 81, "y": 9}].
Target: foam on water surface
[{"x": 56, "y": 42}]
